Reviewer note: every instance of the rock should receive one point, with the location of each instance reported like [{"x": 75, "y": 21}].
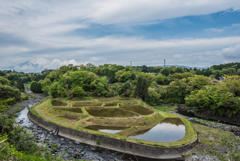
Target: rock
[
  {"x": 76, "y": 142},
  {"x": 93, "y": 149},
  {"x": 76, "y": 155}
]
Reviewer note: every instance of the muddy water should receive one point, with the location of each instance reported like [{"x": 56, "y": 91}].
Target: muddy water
[{"x": 87, "y": 152}]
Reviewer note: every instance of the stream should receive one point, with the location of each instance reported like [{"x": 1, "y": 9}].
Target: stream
[{"x": 235, "y": 129}]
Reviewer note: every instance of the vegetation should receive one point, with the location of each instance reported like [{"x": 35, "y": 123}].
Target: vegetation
[
  {"x": 36, "y": 87},
  {"x": 154, "y": 85},
  {"x": 223, "y": 144},
  {"x": 215, "y": 89},
  {"x": 165, "y": 108}
]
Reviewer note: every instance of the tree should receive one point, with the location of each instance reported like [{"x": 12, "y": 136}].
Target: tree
[
  {"x": 160, "y": 79},
  {"x": 7, "y": 92},
  {"x": 123, "y": 76},
  {"x": 78, "y": 91},
  {"x": 36, "y": 87},
  {"x": 232, "y": 84},
  {"x": 141, "y": 89},
  {"x": 4, "y": 81},
  {"x": 154, "y": 97},
  {"x": 198, "y": 81},
  {"x": 101, "y": 86},
  {"x": 214, "y": 99}
]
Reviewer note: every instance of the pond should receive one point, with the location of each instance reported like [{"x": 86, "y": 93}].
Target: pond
[
  {"x": 110, "y": 112},
  {"x": 106, "y": 129},
  {"x": 168, "y": 130}
]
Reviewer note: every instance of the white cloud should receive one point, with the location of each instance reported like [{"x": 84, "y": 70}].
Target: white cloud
[
  {"x": 232, "y": 52},
  {"x": 57, "y": 63},
  {"x": 96, "y": 59},
  {"x": 236, "y": 25},
  {"x": 214, "y": 30},
  {"x": 44, "y": 27},
  {"x": 42, "y": 63},
  {"x": 39, "y": 61}
]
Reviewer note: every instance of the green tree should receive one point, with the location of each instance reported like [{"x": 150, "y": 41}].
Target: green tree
[
  {"x": 160, "y": 79},
  {"x": 78, "y": 91},
  {"x": 7, "y": 92},
  {"x": 123, "y": 76},
  {"x": 141, "y": 89},
  {"x": 214, "y": 99},
  {"x": 154, "y": 97},
  {"x": 36, "y": 87},
  {"x": 4, "y": 81},
  {"x": 232, "y": 84},
  {"x": 198, "y": 81}
]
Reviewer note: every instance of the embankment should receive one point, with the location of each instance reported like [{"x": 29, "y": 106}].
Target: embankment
[{"x": 154, "y": 152}]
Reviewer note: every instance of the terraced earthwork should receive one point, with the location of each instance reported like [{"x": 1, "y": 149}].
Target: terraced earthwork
[{"x": 122, "y": 119}]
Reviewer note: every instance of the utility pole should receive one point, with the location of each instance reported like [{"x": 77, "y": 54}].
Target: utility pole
[
  {"x": 164, "y": 63},
  {"x": 130, "y": 63}
]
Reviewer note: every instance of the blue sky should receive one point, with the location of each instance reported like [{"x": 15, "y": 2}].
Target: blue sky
[{"x": 48, "y": 34}]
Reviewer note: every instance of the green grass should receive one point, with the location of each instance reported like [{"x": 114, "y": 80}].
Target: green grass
[
  {"x": 164, "y": 108},
  {"x": 138, "y": 109}
]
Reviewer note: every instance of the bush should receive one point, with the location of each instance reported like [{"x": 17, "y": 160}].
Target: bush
[
  {"x": 7, "y": 92},
  {"x": 78, "y": 91}
]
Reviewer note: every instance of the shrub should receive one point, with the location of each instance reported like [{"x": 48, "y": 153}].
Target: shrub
[{"x": 78, "y": 91}]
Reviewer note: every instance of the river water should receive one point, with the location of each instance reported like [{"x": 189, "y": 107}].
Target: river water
[{"x": 86, "y": 151}]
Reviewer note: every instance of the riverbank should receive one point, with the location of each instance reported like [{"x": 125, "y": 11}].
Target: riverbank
[{"x": 218, "y": 141}]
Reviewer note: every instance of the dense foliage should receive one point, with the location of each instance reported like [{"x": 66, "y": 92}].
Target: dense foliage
[
  {"x": 36, "y": 87},
  {"x": 7, "y": 91},
  {"x": 155, "y": 85},
  {"x": 219, "y": 99}
]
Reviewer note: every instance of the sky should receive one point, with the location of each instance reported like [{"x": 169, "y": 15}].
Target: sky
[{"x": 38, "y": 34}]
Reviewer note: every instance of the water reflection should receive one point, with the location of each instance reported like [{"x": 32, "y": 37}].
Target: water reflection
[
  {"x": 106, "y": 129},
  {"x": 169, "y": 130}
]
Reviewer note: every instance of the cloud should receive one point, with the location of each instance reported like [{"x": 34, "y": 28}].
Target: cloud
[
  {"x": 222, "y": 29},
  {"x": 236, "y": 25},
  {"x": 213, "y": 30},
  {"x": 47, "y": 30},
  {"x": 42, "y": 13},
  {"x": 38, "y": 64},
  {"x": 96, "y": 59},
  {"x": 57, "y": 63},
  {"x": 232, "y": 53},
  {"x": 24, "y": 67}
]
